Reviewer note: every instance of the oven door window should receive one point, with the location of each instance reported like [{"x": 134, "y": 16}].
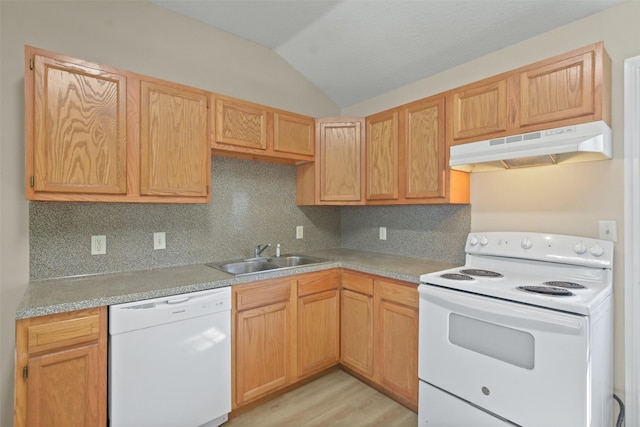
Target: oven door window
[{"x": 499, "y": 342}]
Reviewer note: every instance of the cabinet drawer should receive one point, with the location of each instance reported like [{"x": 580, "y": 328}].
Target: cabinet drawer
[
  {"x": 317, "y": 282},
  {"x": 260, "y": 294},
  {"x": 67, "y": 332},
  {"x": 402, "y": 294},
  {"x": 357, "y": 282}
]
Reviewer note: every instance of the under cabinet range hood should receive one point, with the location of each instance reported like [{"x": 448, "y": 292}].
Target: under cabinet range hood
[{"x": 577, "y": 143}]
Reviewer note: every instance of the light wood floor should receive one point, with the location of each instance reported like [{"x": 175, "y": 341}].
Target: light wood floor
[{"x": 337, "y": 399}]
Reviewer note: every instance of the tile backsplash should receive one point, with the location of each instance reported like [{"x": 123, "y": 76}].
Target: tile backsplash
[{"x": 252, "y": 203}]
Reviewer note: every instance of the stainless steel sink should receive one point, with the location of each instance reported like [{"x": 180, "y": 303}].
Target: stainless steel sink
[{"x": 258, "y": 265}]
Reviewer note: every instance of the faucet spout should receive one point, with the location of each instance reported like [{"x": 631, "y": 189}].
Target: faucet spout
[{"x": 259, "y": 249}]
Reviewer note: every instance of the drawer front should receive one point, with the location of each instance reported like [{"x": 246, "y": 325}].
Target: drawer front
[
  {"x": 317, "y": 282},
  {"x": 63, "y": 333},
  {"x": 357, "y": 282},
  {"x": 399, "y": 293},
  {"x": 261, "y": 294}
]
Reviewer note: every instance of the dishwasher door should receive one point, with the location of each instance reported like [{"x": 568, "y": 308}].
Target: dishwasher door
[{"x": 170, "y": 361}]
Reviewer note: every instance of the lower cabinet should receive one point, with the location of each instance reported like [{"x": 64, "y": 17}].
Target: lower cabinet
[
  {"x": 379, "y": 333},
  {"x": 284, "y": 330},
  {"x": 61, "y": 369}
]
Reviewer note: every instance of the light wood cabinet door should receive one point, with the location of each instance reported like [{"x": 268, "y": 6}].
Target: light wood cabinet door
[
  {"x": 174, "y": 149},
  {"x": 356, "y": 332},
  {"x": 479, "y": 109},
  {"x": 340, "y": 162},
  {"x": 61, "y": 370},
  {"x": 318, "y": 331},
  {"x": 263, "y": 340},
  {"x": 293, "y": 134},
  {"x": 78, "y": 140},
  {"x": 396, "y": 339},
  {"x": 240, "y": 124},
  {"x": 557, "y": 91},
  {"x": 382, "y": 156},
  {"x": 424, "y": 160}
]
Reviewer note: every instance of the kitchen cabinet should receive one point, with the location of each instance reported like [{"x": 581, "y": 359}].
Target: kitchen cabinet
[
  {"x": 396, "y": 339},
  {"x": 284, "y": 330},
  {"x": 337, "y": 175},
  {"x": 61, "y": 369},
  {"x": 561, "y": 91},
  {"x": 98, "y": 134},
  {"x": 318, "y": 322},
  {"x": 253, "y": 131},
  {"x": 382, "y": 156},
  {"x": 262, "y": 331},
  {"x": 356, "y": 328},
  {"x": 380, "y": 334},
  {"x": 174, "y": 146}
]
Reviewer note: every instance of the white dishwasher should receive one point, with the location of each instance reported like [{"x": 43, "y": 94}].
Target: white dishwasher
[{"x": 170, "y": 361}]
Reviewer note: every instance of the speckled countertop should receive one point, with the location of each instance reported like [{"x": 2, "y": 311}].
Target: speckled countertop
[{"x": 74, "y": 293}]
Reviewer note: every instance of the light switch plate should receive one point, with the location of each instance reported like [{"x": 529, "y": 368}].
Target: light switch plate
[
  {"x": 608, "y": 230},
  {"x": 299, "y": 232},
  {"x": 159, "y": 240}
]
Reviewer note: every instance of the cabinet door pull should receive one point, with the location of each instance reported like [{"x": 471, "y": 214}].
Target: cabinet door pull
[{"x": 25, "y": 372}]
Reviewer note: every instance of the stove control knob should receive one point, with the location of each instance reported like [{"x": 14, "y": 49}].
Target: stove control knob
[
  {"x": 526, "y": 243},
  {"x": 580, "y": 248},
  {"x": 484, "y": 241},
  {"x": 596, "y": 250},
  {"x": 473, "y": 241}
]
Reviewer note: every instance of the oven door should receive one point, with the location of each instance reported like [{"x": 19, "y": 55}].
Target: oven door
[{"x": 525, "y": 364}]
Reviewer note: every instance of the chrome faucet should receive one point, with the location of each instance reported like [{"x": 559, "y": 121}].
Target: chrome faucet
[{"x": 259, "y": 249}]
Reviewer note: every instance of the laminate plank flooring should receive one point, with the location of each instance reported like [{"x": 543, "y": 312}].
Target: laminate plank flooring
[{"x": 335, "y": 400}]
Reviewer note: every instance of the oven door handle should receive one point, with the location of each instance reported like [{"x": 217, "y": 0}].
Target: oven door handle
[{"x": 507, "y": 314}]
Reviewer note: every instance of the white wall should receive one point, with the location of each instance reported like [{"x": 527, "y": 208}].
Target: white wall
[
  {"x": 135, "y": 36},
  {"x": 568, "y": 199}
]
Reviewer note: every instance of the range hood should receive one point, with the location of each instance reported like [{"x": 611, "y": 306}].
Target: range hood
[{"x": 578, "y": 143}]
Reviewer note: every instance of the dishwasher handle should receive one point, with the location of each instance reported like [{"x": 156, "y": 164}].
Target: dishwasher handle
[{"x": 181, "y": 299}]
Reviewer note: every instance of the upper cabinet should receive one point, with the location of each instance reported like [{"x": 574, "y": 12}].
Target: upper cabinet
[
  {"x": 174, "y": 146},
  {"x": 382, "y": 156},
  {"x": 76, "y": 127},
  {"x": 565, "y": 90},
  {"x": 95, "y": 133},
  {"x": 248, "y": 130},
  {"x": 337, "y": 175}
]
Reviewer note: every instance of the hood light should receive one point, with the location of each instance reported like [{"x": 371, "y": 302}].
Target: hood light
[{"x": 526, "y": 162}]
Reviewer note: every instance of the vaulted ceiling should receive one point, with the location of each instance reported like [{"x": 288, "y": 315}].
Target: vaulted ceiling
[{"x": 353, "y": 50}]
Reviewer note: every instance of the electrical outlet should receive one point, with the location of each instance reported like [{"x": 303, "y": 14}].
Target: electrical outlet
[
  {"x": 98, "y": 245},
  {"x": 159, "y": 240},
  {"x": 299, "y": 232},
  {"x": 608, "y": 230},
  {"x": 383, "y": 233}
]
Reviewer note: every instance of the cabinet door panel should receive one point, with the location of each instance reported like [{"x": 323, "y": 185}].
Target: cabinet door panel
[
  {"x": 382, "y": 157},
  {"x": 557, "y": 91},
  {"x": 425, "y": 150},
  {"x": 262, "y": 350},
  {"x": 80, "y": 128},
  {"x": 357, "y": 332},
  {"x": 318, "y": 333},
  {"x": 340, "y": 160},
  {"x": 397, "y": 344},
  {"x": 240, "y": 124},
  {"x": 293, "y": 134},
  {"x": 174, "y": 149},
  {"x": 61, "y": 389},
  {"x": 480, "y": 110}
]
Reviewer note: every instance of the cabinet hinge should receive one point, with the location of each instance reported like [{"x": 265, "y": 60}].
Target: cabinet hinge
[
  {"x": 31, "y": 181},
  {"x": 25, "y": 372},
  {"x": 31, "y": 63}
]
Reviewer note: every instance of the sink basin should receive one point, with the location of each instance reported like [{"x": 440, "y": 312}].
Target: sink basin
[
  {"x": 258, "y": 265},
  {"x": 295, "y": 260}
]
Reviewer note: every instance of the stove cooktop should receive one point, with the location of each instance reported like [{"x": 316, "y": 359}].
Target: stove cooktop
[{"x": 567, "y": 273}]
